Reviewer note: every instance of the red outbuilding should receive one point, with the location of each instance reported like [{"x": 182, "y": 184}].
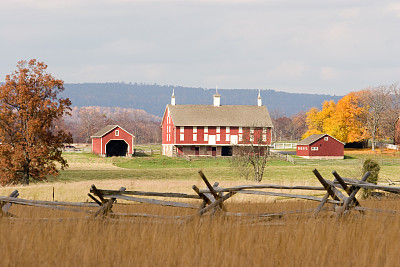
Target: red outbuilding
[
  {"x": 112, "y": 140},
  {"x": 320, "y": 146},
  {"x": 214, "y": 130}
]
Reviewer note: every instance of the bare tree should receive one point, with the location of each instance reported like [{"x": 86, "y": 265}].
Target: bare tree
[
  {"x": 376, "y": 101},
  {"x": 391, "y": 114},
  {"x": 253, "y": 155}
]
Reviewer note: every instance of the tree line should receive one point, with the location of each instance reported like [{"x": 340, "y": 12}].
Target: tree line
[
  {"x": 369, "y": 114},
  {"x": 83, "y": 122}
]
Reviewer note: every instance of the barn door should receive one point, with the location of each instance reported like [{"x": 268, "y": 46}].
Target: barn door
[{"x": 214, "y": 151}]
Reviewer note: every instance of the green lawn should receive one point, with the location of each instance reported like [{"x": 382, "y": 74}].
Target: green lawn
[{"x": 84, "y": 167}]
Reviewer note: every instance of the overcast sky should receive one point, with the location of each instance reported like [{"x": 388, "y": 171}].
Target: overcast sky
[{"x": 328, "y": 47}]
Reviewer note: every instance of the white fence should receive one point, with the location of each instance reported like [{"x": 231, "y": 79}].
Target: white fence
[
  {"x": 284, "y": 145},
  {"x": 390, "y": 146}
]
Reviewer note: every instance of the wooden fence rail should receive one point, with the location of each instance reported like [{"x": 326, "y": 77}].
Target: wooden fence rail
[{"x": 340, "y": 192}]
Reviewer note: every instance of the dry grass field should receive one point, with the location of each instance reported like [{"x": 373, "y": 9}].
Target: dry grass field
[
  {"x": 41, "y": 237},
  {"x": 294, "y": 240}
]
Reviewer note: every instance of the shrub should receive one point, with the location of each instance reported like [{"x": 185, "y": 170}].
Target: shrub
[{"x": 374, "y": 168}]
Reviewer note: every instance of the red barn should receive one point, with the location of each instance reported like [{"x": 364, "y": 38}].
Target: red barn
[
  {"x": 112, "y": 140},
  {"x": 320, "y": 146},
  {"x": 213, "y": 130}
]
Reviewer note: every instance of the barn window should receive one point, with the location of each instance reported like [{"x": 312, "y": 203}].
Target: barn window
[
  {"x": 326, "y": 138},
  {"x": 218, "y": 137},
  {"x": 194, "y": 137},
  {"x": 182, "y": 137},
  {"x": 314, "y": 148},
  {"x": 116, "y": 132},
  {"x": 182, "y": 128},
  {"x": 206, "y": 129},
  {"x": 194, "y": 129},
  {"x": 252, "y": 130},
  {"x": 206, "y": 137},
  {"x": 228, "y": 129},
  {"x": 264, "y": 137},
  {"x": 227, "y": 137},
  {"x": 264, "y": 130},
  {"x": 240, "y": 129},
  {"x": 240, "y": 137},
  {"x": 218, "y": 129}
]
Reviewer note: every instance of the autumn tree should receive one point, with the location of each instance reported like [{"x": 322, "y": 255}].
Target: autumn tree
[
  {"x": 31, "y": 139},
  {"x": 299, "y": 124}
]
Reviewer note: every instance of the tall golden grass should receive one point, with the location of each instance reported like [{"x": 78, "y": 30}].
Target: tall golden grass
[{"x": 294, "y": 240}]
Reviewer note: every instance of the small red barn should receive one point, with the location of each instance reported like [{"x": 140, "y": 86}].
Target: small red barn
[
  {"x": 320, "y": 146},
  {"x": 112, "y": 140}
]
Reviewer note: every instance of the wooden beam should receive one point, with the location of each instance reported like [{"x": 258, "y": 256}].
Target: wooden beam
[
  {"x": 353, "y": 194},
  {"x": 216, "y": 203},
  {"x": 212, "y": 191},
  {"x": 6, "y": 205},
  {"x": 94, "y": 190},
  {"x": 255, "y": 192},
  {"x": 325, "y": 185},
  {"x": 105, "y": 192},
  {"x": 348, "y": 189},
  {"x": 264, "y": 186},
  {"x": 94, "y": 199},
  {"x": 22, "y": 201},
  {"x": 156, "y": 202}
]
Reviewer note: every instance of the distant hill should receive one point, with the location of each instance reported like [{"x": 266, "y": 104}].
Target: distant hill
[{"x": 154, "y": 98}]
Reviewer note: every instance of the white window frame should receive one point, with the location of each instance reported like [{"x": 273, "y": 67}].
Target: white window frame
[
  {"x": 240, "y": 137},
  {"x": 240, "y": 129},
  {"x": 182, "y": 129},
  {"x": 182, "y": 137},
  {"x": 218, "y": 137},
  {"x": 205, "y": 129},
  {"x": 264, "y": 130},
  {"x": 264, "y": 137},
  {"x": 206, "y": 137},
  {"x": 228, "y": 129},
  {"x": 218, "y": 129},
  {"x": 195, "y": 137},
  {"x": 252, "y": 130},
  {"x": 314, "y": 148},
  {"x": 116, "y": 132},
  {"x": 227, "y": 137},
  {"x": 326, "y": 138},
  {"x": 194, "y": 129}
]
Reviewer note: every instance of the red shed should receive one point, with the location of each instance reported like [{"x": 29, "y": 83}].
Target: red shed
[
  {"x": 320, "y": 146},
  {"x": 112, "y": 140}
]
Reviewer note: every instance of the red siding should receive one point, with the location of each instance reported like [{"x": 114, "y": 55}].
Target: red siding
[
  {"x": 212, "y": 131},
  {"x": 96, "y": 145},
  {"x": 99, "y": 144},
  {"x": 330, "y": 148},
  {"x": 168, "y": 129}
]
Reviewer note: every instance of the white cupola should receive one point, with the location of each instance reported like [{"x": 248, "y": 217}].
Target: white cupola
[
  {"x": 217, "y": 98},
  {"x": 173, "y": 97},
  {"x": 259, "y": 99}
]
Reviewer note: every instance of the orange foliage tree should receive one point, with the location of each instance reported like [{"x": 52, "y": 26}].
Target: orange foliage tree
[
  {"x": 31, "y": 141},
  {"x": 343, "y": 120}
]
